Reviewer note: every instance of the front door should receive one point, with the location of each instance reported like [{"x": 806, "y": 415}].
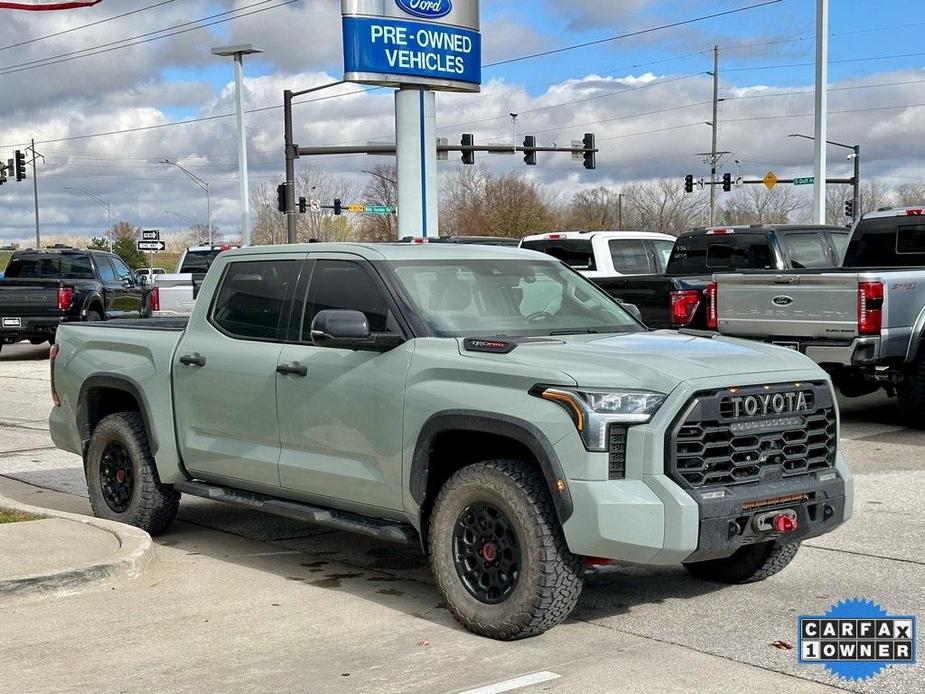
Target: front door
[
  {"x": 130, "y": 295},
  {"x": 112, "y": 288},
  {"x": 225, "y": 375},
  {"x": 341, "y": 420}
]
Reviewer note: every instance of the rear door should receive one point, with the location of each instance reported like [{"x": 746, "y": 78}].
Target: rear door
[
  {"x": 789, "y": 305},
  {"x": 225, "y": 374},
  {"x": 130, "y": 298},
  {"x": 341, "y": 420}
]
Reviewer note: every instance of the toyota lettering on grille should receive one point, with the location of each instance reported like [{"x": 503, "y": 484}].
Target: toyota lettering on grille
[{"x": 770, "y": 404}]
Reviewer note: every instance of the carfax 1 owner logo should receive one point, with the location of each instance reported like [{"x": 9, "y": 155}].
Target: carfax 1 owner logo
[{"x": 856, "y": 639}]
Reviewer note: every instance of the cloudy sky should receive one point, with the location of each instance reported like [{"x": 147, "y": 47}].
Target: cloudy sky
[{"x": 110, "y": 91}]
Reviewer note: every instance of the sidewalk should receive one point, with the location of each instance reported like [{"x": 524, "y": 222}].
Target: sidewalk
[{"x": 61, "y": 551}]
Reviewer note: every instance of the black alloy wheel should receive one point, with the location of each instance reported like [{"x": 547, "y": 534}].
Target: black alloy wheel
[
  {"x": 486, "y": 553},
  {"x": 117, "y": 478}
]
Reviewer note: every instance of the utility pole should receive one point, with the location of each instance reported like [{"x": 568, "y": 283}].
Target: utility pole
[
  {"x": 713, "y": 153},
  {"x": 822, "y": 107},
  {"x": 35, "y": 193}
]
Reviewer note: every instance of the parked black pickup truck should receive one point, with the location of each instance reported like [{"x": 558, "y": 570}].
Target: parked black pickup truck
[
  {"x": 45, "y": 288},
  {"x": 681, "y": 298}
]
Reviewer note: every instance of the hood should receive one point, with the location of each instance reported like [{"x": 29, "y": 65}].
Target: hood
[{"x": 657, "y": 361}]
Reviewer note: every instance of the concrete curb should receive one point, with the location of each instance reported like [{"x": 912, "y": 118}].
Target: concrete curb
[{"x": 135, "y": 554}]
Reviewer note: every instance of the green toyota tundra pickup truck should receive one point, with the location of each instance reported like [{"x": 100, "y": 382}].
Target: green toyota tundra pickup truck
[{"x": 489, "y": 404}]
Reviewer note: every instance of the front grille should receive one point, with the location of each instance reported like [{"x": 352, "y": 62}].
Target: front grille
[{"x": 717, "y": 443}]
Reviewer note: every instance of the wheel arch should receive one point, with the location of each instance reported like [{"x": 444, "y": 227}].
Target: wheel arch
[
  {"x": 466, "y": 436},
  {"x": 917, "y": 339},
  {"x": 93, "y": 301},
  {"x": 105, "y": 394}
]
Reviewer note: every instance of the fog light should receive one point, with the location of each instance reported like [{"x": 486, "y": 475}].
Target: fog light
[{"x": 785, "y": 523}]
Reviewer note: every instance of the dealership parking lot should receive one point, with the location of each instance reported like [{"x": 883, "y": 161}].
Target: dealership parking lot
[{"x": 245, "y": 601}]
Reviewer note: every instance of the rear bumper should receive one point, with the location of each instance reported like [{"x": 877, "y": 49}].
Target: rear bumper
[
  {"x": 860, "y": 352},
  {"x": 31, "y": 327},
  {"x": 654, "y": 521}
]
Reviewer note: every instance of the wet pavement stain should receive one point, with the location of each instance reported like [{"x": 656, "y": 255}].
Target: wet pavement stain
[
  {"x": 314, "y": 564},
  {"x": 390, "y": 591},
  {"x": 333, "y": 580},
  {"x": 383, "y": 579},
  {"x": 294, "y": 578},
  {"x": 392, "y": 558}
]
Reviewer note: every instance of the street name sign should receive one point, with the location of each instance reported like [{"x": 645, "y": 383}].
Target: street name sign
[
  {"x": 379, "y": 210},
  {"x": 805, "y": 181},
  {"x": 152, "y": 246},
  {"x": 398, "y": 43},
  {"x": 151, "y": 235}
]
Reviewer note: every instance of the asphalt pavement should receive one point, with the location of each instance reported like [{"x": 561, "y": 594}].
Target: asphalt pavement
[{"x": 240, "y": 601}]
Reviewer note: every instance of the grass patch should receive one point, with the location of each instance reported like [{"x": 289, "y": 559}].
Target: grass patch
[{"x": 15, "y": 516}]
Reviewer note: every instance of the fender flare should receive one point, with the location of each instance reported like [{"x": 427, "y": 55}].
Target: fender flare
[
  {"x": 90, "y": 299},
  {"x": 113, "y": 382},
  {"x": 917, "y": 338},
  {"x": 477, "y": 421}
]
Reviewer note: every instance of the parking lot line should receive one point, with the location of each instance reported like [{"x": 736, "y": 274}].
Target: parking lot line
[{"x": 515, "y": 683}]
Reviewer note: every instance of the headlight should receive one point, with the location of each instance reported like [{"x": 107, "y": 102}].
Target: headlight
[{"x": 593, "y": 410}]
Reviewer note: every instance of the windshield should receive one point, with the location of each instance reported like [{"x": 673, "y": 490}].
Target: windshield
[
  {"x": 512, "y": 298},
  {"x": 50, "y": 266},
  {"x": 198, "y": 261}
]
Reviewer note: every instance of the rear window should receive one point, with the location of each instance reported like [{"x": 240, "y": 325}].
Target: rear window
[
  {"x": 704, "y": 255},
  {"x": 576, "y": 253},
  {"x": 631, "y": 257},
  {"x": 50, "y": 266},
  {"x": 198, "y": 262},
  {"x": 250, "y": 301},
  {"x": 807, "y": 250},
  {"x": 887, "y": 242}
]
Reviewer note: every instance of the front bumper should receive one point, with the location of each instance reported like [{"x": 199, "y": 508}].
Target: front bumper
[{"x": 654, "y": 521}]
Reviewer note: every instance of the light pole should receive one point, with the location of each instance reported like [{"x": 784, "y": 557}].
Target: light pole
[
  {"x": 202, "y": 184},
  {"x": 856, "y": 149},
  {"x": 822, "y": 107},
  {"x": 238, "y": 52},
  {"x": 106, "y": 206}
]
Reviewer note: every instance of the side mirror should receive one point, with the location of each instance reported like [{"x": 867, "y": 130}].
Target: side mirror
[
  {"x": 631, "y": 309},
  {"x": 128, "y": 281},
  {"x": 142, "y": 279},
  {"x": 350, "y": 330}
]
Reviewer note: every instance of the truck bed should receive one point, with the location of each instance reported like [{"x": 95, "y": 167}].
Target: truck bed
[{"x": 169, "y": 324}]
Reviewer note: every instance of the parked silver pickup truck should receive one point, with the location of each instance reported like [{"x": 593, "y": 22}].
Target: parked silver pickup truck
[{"x": 863, "y": 322}]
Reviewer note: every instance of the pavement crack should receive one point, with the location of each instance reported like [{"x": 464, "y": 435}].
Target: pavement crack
[
  {"x": 865, "y": 554},
  {"x": 21, "y": 451}
]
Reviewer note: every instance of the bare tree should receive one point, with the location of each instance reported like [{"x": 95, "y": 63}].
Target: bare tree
[
  {"x": 756, "y": 204},
  {"x": 909, "y": 194},
  {"x": 660, "y": 206},
  {"x": 476, "y": 202},
  {"x": 835, "y": 198},
  {"x": 874, "y": 195},
  {"x": 593, "y": 210},
  {"x": 382, "y": 189},
  {"x": 125, "y": 230}
]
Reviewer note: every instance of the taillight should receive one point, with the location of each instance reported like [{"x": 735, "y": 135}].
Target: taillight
[
  {"x": 65, "y": 294},
  {"x": 154, "y": 299},
  {"x": 52, "y": 355},
  {"x": 684, "y": 305},
  {"x": 712, "y": 294},
  {"x": 870, "y": 308}
]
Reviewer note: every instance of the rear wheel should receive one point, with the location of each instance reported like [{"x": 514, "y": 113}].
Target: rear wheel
[
  {"x": 498, "y": 552},
  {"x": 94, "y": 316},
  {"x": 122, "y": 479},
  {"x": 749, "y": 564},
  {"x": 912, "y": 393}
]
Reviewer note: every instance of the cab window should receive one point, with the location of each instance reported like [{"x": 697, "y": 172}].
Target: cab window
[
  {"x": 251, "y": 299},
  {"x": 107, "y": 272},
  {"x": 345, "y": 285}
]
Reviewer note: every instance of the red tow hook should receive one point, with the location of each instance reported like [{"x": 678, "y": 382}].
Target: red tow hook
[{"x": 785, "y": 523}]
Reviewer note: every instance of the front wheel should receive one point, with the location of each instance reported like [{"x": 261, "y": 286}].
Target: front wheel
[
  {"x": 498, "y": 552},
  {"x": 912, "y": 394},
  {"x": 749, "y": 564},
  {"x": 122, "y": 479}
]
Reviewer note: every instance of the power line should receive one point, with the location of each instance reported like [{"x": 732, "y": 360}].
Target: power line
[
  {"x": 641, "y": 32},
  {"x": 85, "y": 26}
]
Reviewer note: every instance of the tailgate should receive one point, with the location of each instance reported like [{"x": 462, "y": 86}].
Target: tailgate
[
  {"x": 33, "y": 299},
  {"x": 823, "y": 305}
]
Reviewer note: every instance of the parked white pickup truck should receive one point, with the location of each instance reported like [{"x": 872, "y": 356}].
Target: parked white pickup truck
[
  {"x": 597, "y": 254},
  {"x": 175, "y": 295}
]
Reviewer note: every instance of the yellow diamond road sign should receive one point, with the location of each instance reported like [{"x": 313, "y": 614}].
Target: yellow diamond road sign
[
  {"x": 770, "y": 180},
  {"x": 357, "y": 208}
]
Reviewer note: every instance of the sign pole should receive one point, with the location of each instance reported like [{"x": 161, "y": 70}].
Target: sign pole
[{"x": 416, "y": 154}]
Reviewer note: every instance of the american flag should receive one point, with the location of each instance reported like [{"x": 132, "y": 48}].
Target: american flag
[{"x": 45, "y": 4}]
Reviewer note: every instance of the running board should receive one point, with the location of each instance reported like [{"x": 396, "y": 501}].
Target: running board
[{"x": 390, "y": 531}]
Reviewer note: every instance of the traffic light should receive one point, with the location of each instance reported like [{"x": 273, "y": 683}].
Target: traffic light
[
  {"x": 689, "y": 184},
  {"x": 338, "y": 207},
  {"x": 468, "y": 157},
  {"x": 727, "y": 182},
  {"x": 530, "y": 150},
  {"x": 590, "y": 151},
  {"x": 20, "y": 165},
  {"x": 849, "y": 209},
  {"x": 303, "y": 205},
  {"x": 281, "y": 197}
]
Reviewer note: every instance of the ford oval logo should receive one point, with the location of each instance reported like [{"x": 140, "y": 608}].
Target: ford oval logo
[
  {"x": 782, "y": 300},
  {"x": 428, "y": 9}
]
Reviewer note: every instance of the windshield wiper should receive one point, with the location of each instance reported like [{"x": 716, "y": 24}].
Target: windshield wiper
[{"x": 586, "y": 331}]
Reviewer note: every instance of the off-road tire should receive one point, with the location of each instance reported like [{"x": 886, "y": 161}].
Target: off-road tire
[
  {"x": 911, "y": 393},
  {"x": 749, "y": 564},
  {"x": 153, "y": 506},
  {"x": 550, "y": 577}
]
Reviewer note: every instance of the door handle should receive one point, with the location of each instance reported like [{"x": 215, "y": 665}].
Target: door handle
[
  {"x": 293, "y": 369},
  {"x": 195, "y": 359}
]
